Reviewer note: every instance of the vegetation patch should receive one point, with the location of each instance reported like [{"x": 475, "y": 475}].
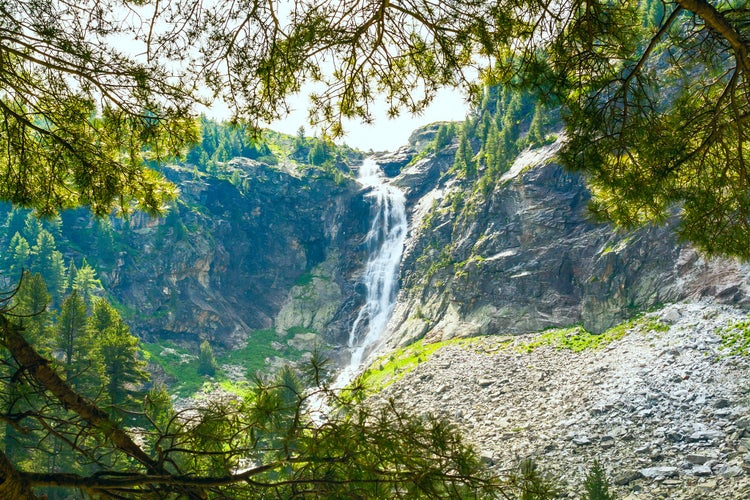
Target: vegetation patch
[
  {"x": 178, "y": 363},
  {"x": 261, "y": 345},
  {"x": 304, "y": 279},
  {"x": 735, "y": 338},
  {"x": 577, "y": 339},
  {"x": 182, "y": 364},
  {"x": 390, "y": 368}
]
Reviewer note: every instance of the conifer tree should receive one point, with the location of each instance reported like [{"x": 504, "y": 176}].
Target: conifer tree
[
  {"x": 464, "y": 162},
  {"x": 81, "y": 357},
  {"x": 491, "y": 150},
  {"x": 14, "y": 223},
  {"x": 537, "y": 135},
  {"x": 48, "y": 261},
  {"x": 19, "y": 255},
  {"x": 444, "y": 136},
  {"x": 70, "y": 275},
  {"x": 32, "y": 227},
  {"x": 123, "y": 364},
  {"x": 85, "y": 282},
  {"x": 206, "y": 361},
  {"x": 32, "y": 301}
]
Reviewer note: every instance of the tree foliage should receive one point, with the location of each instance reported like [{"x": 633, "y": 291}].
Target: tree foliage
[
  {"x": 654, "y": 93},
  {"x": 77, "y": 116},
  {"x": 655, "y": 102},
  {"x": 206, "y": 361},
  {"x": 271, "y": 443},
  {"x": 597, "y": 484}
]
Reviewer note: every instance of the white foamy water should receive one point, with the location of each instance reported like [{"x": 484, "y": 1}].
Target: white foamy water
[{"x": 385, "y": 244}]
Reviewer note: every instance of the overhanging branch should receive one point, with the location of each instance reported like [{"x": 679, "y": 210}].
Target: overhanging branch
[{"x": 718, "y": 22}]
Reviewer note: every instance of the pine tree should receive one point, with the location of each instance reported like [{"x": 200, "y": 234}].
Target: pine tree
[
  {"x": 491, "y": 151},
  {"x": 81, "y": 357},
  {"x": 597, "y": 484},
  {"x": 300, "y": 146},
  {"x": 32, "y": 301},
  {"x": 70, "y": 276},
  {"x": 319, "y": 153},
  {"x": 464, "y": 161},
  {"x": 158, "y": 407},
  {"x": 121, "y": 355},
  {"x": 537, "y": 135},
  {"x": 19, "y": 255},
  {"x": 85, "y": 282},
  {"x": 444, "y": 136},
  {"x": 206, "y": 361},
  {"x": 14, "y": 223},
  {"x": 31, "y": 227},
  {"x": 48, "y": 261}
]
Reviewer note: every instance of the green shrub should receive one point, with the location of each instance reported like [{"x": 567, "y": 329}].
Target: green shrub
[
  {"x": 597, "y": 484},
  {"x": 206, "y": 361}
]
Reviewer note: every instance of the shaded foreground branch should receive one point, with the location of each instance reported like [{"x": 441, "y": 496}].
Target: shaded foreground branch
[
  {"x": 12, "y": 483},
  {"x": 40, "y": 370},
  {"x": 265, "y": 441}
]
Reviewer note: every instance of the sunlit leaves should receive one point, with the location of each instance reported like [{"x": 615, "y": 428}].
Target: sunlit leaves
[
  {"x": 656, "y": 115},
  {"x": 79, "y": 114}
]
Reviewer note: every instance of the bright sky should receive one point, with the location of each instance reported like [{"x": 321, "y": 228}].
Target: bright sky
[{"x": 384, "y": 134}]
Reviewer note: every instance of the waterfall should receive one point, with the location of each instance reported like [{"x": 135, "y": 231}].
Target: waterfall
[{"x": 385, "y": 244}]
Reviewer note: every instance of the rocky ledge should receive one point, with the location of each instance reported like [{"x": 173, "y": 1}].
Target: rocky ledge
[{"x": 664, "y": 409}]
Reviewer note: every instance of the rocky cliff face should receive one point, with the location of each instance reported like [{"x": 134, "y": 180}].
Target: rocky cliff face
[
  {"x": 283, "y": 249},
  {"x": 528, "y": 257},
  {"x": 229, "y": 259}
]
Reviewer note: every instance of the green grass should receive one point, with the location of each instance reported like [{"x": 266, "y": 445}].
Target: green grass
[
  {"x": 182, "y": 365},
  {"x": 177, "y": 366},
  {"x": 390, "y": 368},
  {"x": 577, "y": 339},
  {"x": 253, "y": 356},
  {"x": 242, "y": 389},
  {"x": 574, "y": 338},
  {"x": 735, "y": 338}
]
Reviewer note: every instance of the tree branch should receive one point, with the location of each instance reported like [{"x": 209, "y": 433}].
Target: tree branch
[
  {"x": 38, "y": 368},
  {"x": 12, "y": 483},
  {"x": 718, "y": 22}
]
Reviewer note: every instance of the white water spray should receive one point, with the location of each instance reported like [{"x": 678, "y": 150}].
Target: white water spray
[{"x": 385, "y": 244}]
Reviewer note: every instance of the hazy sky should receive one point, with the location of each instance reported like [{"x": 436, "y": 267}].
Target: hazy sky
[{"x": 383, "y": 134}]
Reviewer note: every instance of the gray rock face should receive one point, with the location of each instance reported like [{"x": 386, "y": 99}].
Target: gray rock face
[
  {"x": 225, "y": 261},
  {"x": 392, "y": 163},
  {"x": 529, "y": 257}
]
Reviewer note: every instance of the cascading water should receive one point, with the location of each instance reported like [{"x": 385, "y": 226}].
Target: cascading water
[{"x": 385, "y": 244}]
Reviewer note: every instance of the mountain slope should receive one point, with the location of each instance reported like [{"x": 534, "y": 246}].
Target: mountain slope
[
  {"x": 663, "y": 407},
  {"x": 527, "y": 256}
]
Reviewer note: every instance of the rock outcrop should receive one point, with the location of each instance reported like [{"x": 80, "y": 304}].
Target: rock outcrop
[
  {"x": 528, "y": 256},
  {"x": 227, "y": 258}
]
